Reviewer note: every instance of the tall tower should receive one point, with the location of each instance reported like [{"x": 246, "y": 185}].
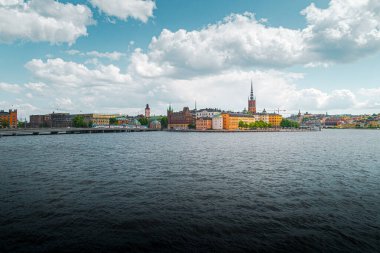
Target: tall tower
[
  {"x": 147, "y": 111},
  {"x": 252, "y": 101}
]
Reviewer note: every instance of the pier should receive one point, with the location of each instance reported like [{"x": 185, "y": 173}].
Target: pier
[{"x": 57, "y": 131}]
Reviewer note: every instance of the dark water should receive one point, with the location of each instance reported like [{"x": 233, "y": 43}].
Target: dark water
[{"x": 191, "y": 192}]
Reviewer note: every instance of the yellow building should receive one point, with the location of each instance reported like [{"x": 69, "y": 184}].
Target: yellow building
[
  {"x": 231, "y": 120},
  {"x": 98, "y": 119},
  {"x": 275, "y": 119}
]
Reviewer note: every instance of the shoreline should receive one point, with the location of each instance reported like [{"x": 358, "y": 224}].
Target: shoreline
[{"x": 60, "y": 131}]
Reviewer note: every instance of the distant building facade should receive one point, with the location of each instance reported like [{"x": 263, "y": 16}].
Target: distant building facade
[
  {"x": 204, "y": 123},
  {"x": 207, "y": 113},
  {"x": 97, "y": 119},
  {"x": 217, "y": 122},
  {"x": 180, "y": 120},
  {"x": 39, "y": 121},
  {"x": 231, "y": 120},
  {"x": 9, "y": 117},
  {"x": 274, "y": 119},
  {"x": 61, "y": 120}
]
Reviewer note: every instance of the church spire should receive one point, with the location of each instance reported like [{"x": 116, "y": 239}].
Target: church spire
[{"x": 251, "y": 97}]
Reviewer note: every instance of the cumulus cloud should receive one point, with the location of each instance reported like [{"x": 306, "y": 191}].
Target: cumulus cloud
[
  {"x": 75, "y": 87},
  {"x": 345, "y": 31},
  {"x": 72, "y": 74},
  {"x": 43, "y": 20},
  {"x": 10, "y": 88},
  {"x": 114, "y": 56},
  {"x": 36, "y": 87},
  {"x": 237, "y": 41},
  {"x": 124, "y": 9}
]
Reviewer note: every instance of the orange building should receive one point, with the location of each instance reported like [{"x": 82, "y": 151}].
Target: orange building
[
  {"x": 275, "y": 119},
  {"x": 203, "y": 124},
  {"x": 9, "y": 117},
  {"x": 231, "y": 120}
]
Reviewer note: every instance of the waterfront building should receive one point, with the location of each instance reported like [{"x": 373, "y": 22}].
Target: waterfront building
[
  {"x": 61, "y": 120},
  {"x": 122, "y": 121},
  {"x": 252, "y": 102},
  {"x": 231, "y": 120},
  {"x": 147, "y": 111},
  {"x": 135, "y": 123},
  {"x": 9, "y": 117},
  {"x": 97, "y": 119},
  {"x": 274, "y": 119},
  {"x": 207, "y": 113},
  {"x": 204, "y": 123},
  {"x": 180, "y": 120},
  {"x": 39, "y": 121},
  {"x": 217, "y": 122},
  {"x": 155, "y": 124},
  {"x": 264, "y": 116}
]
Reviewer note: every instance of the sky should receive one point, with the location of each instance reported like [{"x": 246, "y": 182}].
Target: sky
[{"x": 115, "y": 56}]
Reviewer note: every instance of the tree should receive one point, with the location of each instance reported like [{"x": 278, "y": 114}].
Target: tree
[
  {"x": 191, "y": 126},
  {"x": 4, "y": 124},
  {"x": 21, "y": 124},
  {"x": 241, "y": 124},
  {"x": 164, "y": 122},
  {"x": 78, "y": 121},
  {"x": 289, "y": 123},
  {"x": 113, "y": 121},
  {"x": 144, "y": 121}
]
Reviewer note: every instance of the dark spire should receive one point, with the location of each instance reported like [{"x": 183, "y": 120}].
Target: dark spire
[{"x": 251, "y": 96}]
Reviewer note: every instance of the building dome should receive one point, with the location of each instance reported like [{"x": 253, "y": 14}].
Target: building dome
[
  {"x": 155, "y": 124},
  {"x": 136, "y": 122}
]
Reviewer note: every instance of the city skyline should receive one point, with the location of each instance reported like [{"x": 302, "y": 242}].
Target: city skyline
[{"x": 317, "y": 56}]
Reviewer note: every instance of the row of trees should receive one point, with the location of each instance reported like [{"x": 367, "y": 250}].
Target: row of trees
[
  {"x": 261, "y": 124},
  {"x": 254, "y": 125},
  {"x": 145, "y": 121},
  {"x": 289, "y": 123},
  {"x": 78, "y": 121}
]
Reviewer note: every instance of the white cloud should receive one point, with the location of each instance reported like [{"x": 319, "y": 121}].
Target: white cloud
[
  {"x": 345, "y": 31},
  {"x": 10, "y": 2},
  {"x": 123, "y": 9},
  {"x": 114, "y": 56},
  {"x": 11, "y": 88},
  {"x": 237, "y": 41},
  {"x": 43, "y": 20},
  {"x": 73, "y": 87},
  {"x": 72, "y": 74},
  {"x": 36, "y": 87}
]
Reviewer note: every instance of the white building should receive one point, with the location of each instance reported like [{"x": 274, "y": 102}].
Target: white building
[
  {"x": 262, "y": 116},
  {"x": 217, "y": 122},
  {"x": 207, "y": 113}
]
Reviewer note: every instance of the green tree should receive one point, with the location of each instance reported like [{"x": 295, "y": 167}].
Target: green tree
[
  {"x": 191, "y": 126},
  {"x": 241, "y": 124},
  {"x": 4, "y": 124},
  {"x": 20, "y": 124},
  {"x": 289, "y": 123},
  {"x": 164, "y": 122},
  {"x": 113, "y": 121},
  {"x": 78, "y": 121},
  {"x": 144, "y": 121}
]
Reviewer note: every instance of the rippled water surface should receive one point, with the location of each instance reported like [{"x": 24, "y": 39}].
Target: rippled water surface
[{"x": 191, "y": 192}]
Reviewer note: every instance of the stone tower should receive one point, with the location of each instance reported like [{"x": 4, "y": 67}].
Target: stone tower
[{"x": 147, "y": 111}]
